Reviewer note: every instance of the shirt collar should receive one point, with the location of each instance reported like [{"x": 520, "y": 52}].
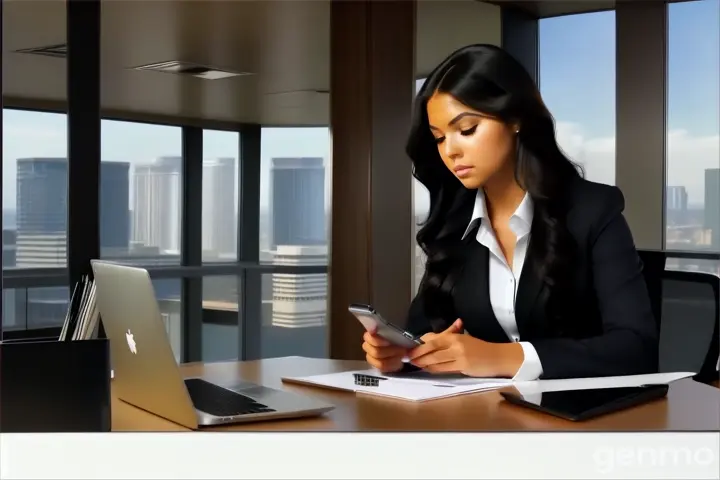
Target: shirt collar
[{"x": 520, "y": 221}]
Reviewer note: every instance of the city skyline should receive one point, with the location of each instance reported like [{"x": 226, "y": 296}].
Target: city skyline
[
  {"x": 298, "y": 233},
  {"x": 585, "y": 122}
]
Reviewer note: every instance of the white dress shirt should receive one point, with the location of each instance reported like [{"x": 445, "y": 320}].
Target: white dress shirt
[{"x": 503, "y": 279}]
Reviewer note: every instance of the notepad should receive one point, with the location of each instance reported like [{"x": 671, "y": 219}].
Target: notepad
[{"x": 415, "y": 386}]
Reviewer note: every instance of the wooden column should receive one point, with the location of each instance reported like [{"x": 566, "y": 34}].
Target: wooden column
[
  {"x": 371, "y": 93},
  {"x": 641, "y": 117},
  {"x": 520, "y": 37}
]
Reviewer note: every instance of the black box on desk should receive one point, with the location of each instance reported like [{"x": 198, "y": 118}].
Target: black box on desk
[{"x": 52, "y": 386}]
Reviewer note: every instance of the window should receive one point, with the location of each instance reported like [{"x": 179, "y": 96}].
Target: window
[
  {"x": 221, "y": 298},
  {"x": 169, "y": 295},
  {"x": 35, "y": 177},
  {"x": 294, "y": 195},
  {"x": 294, "y": 230},
  {"x": 421, "y": 209},
  {"x": 577, "y": 81},
  {"x": 294, "y": 315},
  {"x": 140, "y": 193},
  {"x": 692, "y": 215},
  {"x": 220, "y": 196},
  {"x": 34, "y": 308}
]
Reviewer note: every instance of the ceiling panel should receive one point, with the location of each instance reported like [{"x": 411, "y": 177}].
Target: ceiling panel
[{"x": 283, "y": 44}]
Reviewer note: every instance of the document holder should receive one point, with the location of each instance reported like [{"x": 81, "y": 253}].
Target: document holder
[{"x": 48, "y": 385}]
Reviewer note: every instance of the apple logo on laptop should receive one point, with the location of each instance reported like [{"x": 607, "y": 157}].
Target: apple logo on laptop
[{"x": 131, "y": 342}]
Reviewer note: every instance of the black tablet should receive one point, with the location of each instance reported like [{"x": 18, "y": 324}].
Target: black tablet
[{"x": 578, "y": 405}]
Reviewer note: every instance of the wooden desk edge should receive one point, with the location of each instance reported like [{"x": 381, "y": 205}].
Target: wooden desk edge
[{"x": 346, "y": 417}]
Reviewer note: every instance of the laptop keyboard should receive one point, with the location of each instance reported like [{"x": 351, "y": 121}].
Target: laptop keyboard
[{"x": 218, "y": 401}]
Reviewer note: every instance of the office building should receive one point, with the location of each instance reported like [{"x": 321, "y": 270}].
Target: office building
[
  {"x": 299, "y": 237},
  {"x": 676, "y": 205},
  {"x": 297, "y": 201},
  {"x": 114, "y": 199},
  {"x": 157, "y": 204},
  {"x": 41, "y": 202},
  {"x": 299, "y": 301},
  {"x": 219, "y": 220},
  {"x": 677, "y": 199}
]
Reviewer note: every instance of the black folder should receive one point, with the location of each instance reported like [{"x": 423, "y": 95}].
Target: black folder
[{"x": 48, "y": 385}]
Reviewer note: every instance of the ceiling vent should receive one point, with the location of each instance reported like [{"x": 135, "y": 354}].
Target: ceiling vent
[
  {"x": 57, "y": 51},
  {"x": 192, "y": 69}
]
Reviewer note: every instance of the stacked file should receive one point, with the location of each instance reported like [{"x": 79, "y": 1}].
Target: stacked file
[{"x": 83, "y": 318}]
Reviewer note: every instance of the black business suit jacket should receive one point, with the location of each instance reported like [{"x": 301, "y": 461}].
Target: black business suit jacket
[{"x": 603, "y": 323}]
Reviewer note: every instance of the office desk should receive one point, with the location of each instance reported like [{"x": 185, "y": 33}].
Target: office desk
[{"x": 690, "y": 406}]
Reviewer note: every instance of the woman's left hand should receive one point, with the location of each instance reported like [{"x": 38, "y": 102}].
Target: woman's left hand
[{"x": 450, "y": 352}]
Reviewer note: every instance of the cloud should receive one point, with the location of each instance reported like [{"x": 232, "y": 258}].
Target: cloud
[
  {"x": 22, "y": 133},
  {"x": 596, "y": 155},
  {"x": 689, "y": 156}
]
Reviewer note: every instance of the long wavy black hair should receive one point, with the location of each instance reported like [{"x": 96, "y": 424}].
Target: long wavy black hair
[{"x": 489, "y": 80}]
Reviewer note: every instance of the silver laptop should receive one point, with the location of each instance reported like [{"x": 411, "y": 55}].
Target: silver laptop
[{"x": 147, "y": 375}]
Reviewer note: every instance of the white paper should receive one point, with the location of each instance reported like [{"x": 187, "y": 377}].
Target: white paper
[
  {"x": 539, "y": 386},
  {"x": 414, "y": 389}
]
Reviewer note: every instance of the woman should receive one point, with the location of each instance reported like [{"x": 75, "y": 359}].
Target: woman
[{"x": 531, "y": 270}]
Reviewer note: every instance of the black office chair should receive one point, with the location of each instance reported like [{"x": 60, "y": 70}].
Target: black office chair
[
  {"x": 690, "y": 327},
  {"x": 653, "y": 270}
]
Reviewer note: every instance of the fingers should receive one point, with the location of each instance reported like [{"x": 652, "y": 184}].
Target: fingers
[
  {"x": 428, "y": 337},
  {"x": 383, "y": 352},
  {"x": 438, "y": 342},
  {"x": 374, "y": 340},
  {"x": 386, "y": 365},
  {"x": 433, "y": 358},
  {"x": 456, "y": 327}
]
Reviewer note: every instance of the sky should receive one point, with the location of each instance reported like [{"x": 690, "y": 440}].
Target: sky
[{"x": 577, "y": 81}]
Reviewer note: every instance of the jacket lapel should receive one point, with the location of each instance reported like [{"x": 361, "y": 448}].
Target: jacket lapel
[
  {"x": 491, "y": 326},
  {"x": 527, "y": 296}
]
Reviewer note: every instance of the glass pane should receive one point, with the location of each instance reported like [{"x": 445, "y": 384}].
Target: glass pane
[
  {"x": 692, "y": 216},
  {"x": 577, "y": 80},
  {"x": 220, "y": 333},
  {"x": 421, "y": 209},
  {"x": 140, "y": 193},
  {"x": 35, "y": 171},
  {"x": 33, "y": 308},
  {"x": 294, "y": 195},
  {"x": 294, "y": 315},
  {"x": 168, "y": 292},
  {"x": 220, "y": 196}
]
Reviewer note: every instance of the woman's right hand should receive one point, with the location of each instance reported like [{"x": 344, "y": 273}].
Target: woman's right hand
[{"x": 381, "y": 354}]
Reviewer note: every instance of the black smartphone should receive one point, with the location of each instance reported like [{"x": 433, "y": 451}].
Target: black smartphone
[
  {"x": 372, "y": 320},
  {"x": 578, "y": 405}
]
